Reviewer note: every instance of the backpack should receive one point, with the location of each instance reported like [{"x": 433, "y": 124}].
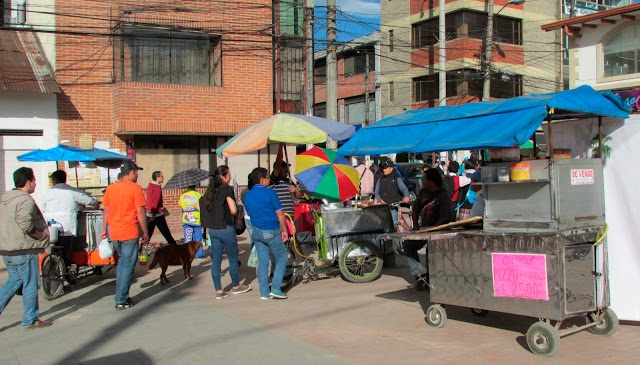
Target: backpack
[
  {"x": 451, "y": 184},
  {"x": 239, "y": 220}
]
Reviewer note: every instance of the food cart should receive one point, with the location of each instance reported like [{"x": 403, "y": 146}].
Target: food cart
[
  {"x": 542, "y": 250},
  {"x": 72, "y": 257},
  {"x": 347, "y": 238}
]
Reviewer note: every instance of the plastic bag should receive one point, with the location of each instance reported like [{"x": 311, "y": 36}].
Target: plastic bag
[
  {"x": 105, "y": 250},
  {"x": 253, "y": 258}
]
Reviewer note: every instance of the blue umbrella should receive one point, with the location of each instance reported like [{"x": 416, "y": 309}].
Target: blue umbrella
[{"x": 101, "y": 157}]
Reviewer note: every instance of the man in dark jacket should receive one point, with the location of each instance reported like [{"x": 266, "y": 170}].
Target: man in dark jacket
[
  {"x": 431, "y": 209},
  {"x": 23, "y": 235},
  {"x": 390, "y": 188}
]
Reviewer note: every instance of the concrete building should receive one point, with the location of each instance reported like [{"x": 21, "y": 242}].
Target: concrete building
[
  {"x": 353, "y": 81},
  {"x": 603, "y": 51},
  {"x": 524, "y": 59},
  {"x": 28, "y": 89}
]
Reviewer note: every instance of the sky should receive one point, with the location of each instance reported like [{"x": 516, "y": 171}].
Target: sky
[{"x": 355, "y": 18}]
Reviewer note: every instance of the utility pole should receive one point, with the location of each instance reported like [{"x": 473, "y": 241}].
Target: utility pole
[
  {"x": 486, "y": 87},
  {"x": 442, "y": 46},
  {"x": 366, "y": 86},
  {"x": 308, "y": 16},
  {"x": 332, "y": 68}
]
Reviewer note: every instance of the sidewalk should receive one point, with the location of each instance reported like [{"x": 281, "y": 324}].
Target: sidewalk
[{"x": 328, "y": 321}]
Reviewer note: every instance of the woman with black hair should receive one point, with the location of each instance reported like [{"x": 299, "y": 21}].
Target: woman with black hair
[
  {"x": 269, "y": 232},
  {"x": 217, "y": 207}
]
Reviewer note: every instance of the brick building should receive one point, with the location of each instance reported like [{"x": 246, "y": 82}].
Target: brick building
[
  {"x": 524, "y": 59},
  {"x": 167, "y": 82},
  {"x": 353, "y": 80}
]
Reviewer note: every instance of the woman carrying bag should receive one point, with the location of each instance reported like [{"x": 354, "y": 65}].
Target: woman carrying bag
[{"x": 217, "y": 209}]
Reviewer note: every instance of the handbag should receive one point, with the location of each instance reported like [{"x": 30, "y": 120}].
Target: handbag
[
  {"x": 238, "y": 223},
  {"x": 253, "y": 257},
  {"x": 105, "y": 250}
]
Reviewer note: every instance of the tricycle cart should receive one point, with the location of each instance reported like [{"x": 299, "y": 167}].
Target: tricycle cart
[
  {"x": 348, "y": 238},
  {"x": 72, "y": 258}
]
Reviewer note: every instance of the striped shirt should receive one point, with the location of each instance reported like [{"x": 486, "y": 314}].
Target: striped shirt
[{"x": 284, "y": 195}]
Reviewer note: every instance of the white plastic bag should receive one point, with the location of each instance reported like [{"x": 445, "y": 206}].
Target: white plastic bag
[{"x": 105, "y": 250}]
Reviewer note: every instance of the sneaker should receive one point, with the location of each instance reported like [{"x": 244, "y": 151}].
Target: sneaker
[
  {"x": 222, "y": 295},
  {"x": 278, "y": 294},
  {"x": 264, "y": 298},
  {"x": 241, "y": 289},
  {"x": 128, "y": 304}
]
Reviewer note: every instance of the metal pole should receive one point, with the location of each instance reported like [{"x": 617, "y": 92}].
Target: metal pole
[
  {"x": 442, "y": 76},
  {"x": 332, "y": 68},
  {"x": 366, "y": 87},
  {"x": 310, "y": 59},
  {"x": 277, "y": 53},
  {"x": 488, "y": 44}
]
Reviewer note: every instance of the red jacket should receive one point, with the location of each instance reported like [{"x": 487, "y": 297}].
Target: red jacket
[{"x": 154, "y": 199}]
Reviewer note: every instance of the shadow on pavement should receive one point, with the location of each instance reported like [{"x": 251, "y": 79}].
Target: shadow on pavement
[{"x": 139, "y": 356}]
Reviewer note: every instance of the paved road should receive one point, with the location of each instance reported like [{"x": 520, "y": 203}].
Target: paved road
[{"x": 328, "y": 321}]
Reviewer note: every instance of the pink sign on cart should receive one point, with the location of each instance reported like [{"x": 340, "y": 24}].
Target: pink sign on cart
[{"x": 517, "y": 275}]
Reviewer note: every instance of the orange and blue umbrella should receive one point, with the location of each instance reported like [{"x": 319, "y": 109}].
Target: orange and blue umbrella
[{"x": 327, "y": 175}]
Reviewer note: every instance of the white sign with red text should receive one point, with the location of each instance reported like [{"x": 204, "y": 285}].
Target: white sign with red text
[{"x": 582, "y": 177}]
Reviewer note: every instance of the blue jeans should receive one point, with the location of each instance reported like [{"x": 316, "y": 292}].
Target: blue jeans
[
  {"x": 269, "y": 241},
  {"x": 128, "y": 257},
  {"x": 23, "y": 273},
  {"x": 247, "y": 222},
  {"x": 224, "y": 240},
  {"x": 193, "y": 233}
]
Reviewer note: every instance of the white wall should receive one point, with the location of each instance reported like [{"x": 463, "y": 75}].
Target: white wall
[
  {"x": 30, "y": 111},
  {"x": 586, "y": 59},
  {"x": 40, "y": 17}
]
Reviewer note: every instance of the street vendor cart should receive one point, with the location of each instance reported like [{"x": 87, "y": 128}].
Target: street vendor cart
[{"x": 542, "y": 250}]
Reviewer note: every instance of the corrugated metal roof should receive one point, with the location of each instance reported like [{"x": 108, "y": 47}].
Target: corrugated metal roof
[
  {"x": 368, "y": 39},
  {"x": 23, "y": 65}
]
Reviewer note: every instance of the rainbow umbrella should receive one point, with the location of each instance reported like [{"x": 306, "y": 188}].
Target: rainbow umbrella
[{"x": 326, "y": 175}]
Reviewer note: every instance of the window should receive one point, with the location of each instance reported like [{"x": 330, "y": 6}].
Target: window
[
  {"x": 391, "y": 41},
  {"x": 392, "y": 92},
  {"x": 169, "y": 57},
  {"x": 320, "y": 72},
  {"x": 356, "y": 64},
  {"x": 467, "y": 82},
  {"x": 467, "y": 24},
  {"x": 291, "y": 18},
  {"x": 621, "y": 52}
]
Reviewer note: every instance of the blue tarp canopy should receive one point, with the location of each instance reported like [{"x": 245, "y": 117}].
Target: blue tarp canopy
[
  {"x": 70, "y": 153},
  {"x": 501, "y": 123}
]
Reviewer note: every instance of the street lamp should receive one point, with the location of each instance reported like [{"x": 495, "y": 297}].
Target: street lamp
[{"x": 486, "y": 87}]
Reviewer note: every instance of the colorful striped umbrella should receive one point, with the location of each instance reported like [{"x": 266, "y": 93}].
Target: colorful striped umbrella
[
  {"x": 285, "y": 128},
  {"x": 326, "y": 175}
]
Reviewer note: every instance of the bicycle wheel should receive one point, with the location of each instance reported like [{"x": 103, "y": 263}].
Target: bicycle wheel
[
  {"x": 360, "y": 262},
  {"x": 52, "y": 269}
]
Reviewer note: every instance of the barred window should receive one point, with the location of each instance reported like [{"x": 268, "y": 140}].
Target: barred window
[{"x": 168, "y": 57}]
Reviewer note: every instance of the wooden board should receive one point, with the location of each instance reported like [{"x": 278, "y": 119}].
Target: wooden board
[{"x": 463, "y": 222}]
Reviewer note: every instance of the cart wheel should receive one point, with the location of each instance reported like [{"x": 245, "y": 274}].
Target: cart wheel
[
  {"x": 608, "y": 323},
  {"x": 291, "y": 272},
  {"x": 52, "y": 269},
  {"x": 360, "y": 262},
  {"x": 479, "y": 312},
  {"x": 72, "y": 274},
  {"x": 436, "y": 316},
  {"x": 543, "y": 339},
  {"x": 97, "y": 270}
]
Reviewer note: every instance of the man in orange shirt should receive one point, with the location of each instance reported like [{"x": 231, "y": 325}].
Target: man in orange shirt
[{"x": 125, "y": 218}]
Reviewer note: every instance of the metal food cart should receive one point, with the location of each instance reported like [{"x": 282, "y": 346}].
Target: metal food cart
[
  {"x": 542, "y": 251},
  {"x": 349, "y": 238}
]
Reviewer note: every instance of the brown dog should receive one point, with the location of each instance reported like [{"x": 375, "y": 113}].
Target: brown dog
[{"x": 175, "y": 255}]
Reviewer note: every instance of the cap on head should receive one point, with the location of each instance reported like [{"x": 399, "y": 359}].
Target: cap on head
[
  {"x": 386, "y": 163},
  {"x": 129, "y": 166}
]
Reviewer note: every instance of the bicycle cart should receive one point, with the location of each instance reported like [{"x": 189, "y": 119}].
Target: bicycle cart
[
  {"x": 72, "y": 258},
  {"x": 347, "y": 238}
]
